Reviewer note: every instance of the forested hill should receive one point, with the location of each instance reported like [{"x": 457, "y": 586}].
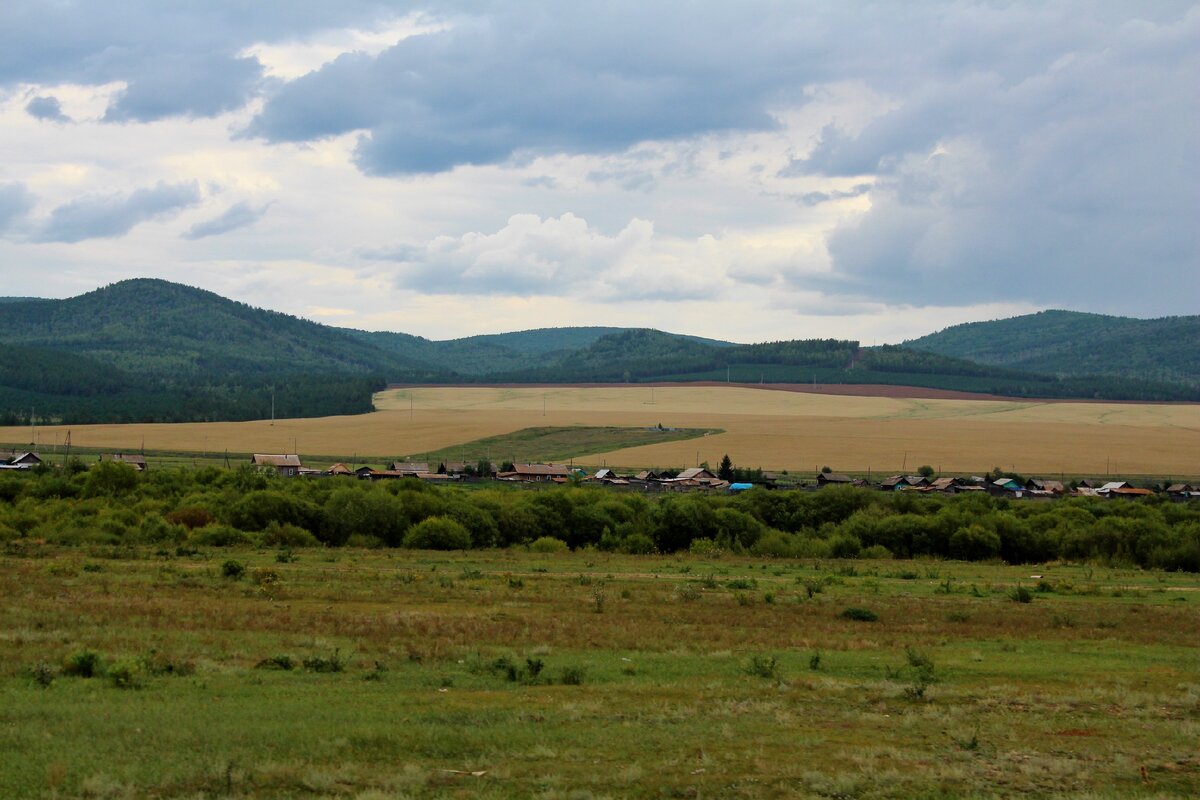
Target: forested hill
[
  {"x": 494, "y": 353},
  {"x": 149, "y": 350},
  {"x": 156, "y": 328},
  {"x": 1072, "y": 343}
]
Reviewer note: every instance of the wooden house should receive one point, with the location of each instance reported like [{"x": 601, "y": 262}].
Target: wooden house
[{"x": 281, "y": 464}]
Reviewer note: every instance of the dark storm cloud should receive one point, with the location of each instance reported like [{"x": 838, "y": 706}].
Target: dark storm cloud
[
  {"x": 177, "y": 58},
  {"x": 46, "y": 108},
  {"x": 239, "y": 215},
  {"x": 111, "y": 215},
  {"x": 567, "y": 81},
  {"x": 1076, "y": 186}
]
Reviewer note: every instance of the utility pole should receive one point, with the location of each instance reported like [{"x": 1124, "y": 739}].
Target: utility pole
[{"x": 272, "y": 408}]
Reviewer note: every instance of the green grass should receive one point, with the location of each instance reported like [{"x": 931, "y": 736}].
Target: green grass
[
  {"x": 559, "y": 443},
  {"x": 1070, "y": 695}
]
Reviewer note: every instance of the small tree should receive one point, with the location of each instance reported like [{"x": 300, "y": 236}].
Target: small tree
[
  {"x": 725, "y": 471},
  {"x": 925, "y": 471}
]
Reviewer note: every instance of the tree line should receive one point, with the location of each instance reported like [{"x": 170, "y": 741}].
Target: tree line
[{"x": 113, "y": 505}]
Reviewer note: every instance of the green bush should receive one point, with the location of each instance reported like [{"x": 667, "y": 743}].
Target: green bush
[
  {"x": 83, "y": 664},
  {"x": 127, "y": 674},
  {"x": 548, "y": 544},
  {"x": 1021, "y": 595},
  {"x": 437, "y": 533},
  {"x": 859, "y": 615},
  {"x": 278, "y": 534},
  {"x": 218, "y": 536},
  {"x": 234, "y": 570},
  {"x": 762, "y": 666}
]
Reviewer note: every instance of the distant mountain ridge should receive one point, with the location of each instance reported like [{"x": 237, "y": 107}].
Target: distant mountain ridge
[
  {"x": 1073, "y": 343},
  {"x": 151, "y": 350}
]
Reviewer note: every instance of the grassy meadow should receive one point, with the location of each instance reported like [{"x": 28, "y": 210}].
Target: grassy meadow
[
  {"x": 761, "y": 428},
  {"x": 506, "y": 673}
]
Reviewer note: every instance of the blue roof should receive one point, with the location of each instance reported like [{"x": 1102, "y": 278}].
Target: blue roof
[{"x": 740, "y": 487}]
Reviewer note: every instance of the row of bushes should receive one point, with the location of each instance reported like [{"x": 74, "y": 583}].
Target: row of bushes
[{"x": 111, "y": 503}]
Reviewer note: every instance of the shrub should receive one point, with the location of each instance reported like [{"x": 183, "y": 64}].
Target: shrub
[
  {"x": 704, "y": 548},
  {"x": 762, "y": 666},
  {"x": 321, "y": 664},
  {"x": 1021, "y": 595},
  {"x": 83, "y": 664},
  {"x": 548, "y": 544},
  {"x": 876, "y": 551},
  {"x": 638, "y": 544},
  {"x": 775, "y": 544},
  {"x": 437, "y": 533},
  {"x": 234, "y": 570},
  {"x": 127, "y": 674},
  {"x": 42, "y": 674},
  {"x": 859, "y": 615},
  {"x": 571, "y": 676},
  {"x": 219, "y": 536},
  {"x": 280, "y": 662},
  {"x": 286, "y": 534},
  {"x": 191, "y": 517},
  {"x": 687, "y": 592},
  {"x": 845, "y": 545}
]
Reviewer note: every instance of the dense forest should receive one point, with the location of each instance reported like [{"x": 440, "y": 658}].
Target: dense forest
[
  {"x": 148, "y": 350},
  {"x": 1070, "y": 343},
  {"x": 111, "y": 504}
]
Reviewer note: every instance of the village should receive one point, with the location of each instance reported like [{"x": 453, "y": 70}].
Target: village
[{"x": 692, "y": 479}]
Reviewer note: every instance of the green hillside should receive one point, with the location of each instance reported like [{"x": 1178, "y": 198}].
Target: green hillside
[
  {"x": 144, "y": 350},
  {"x": 501, "y": 353},
  {"x": 156, "y": 328},
  {"x": 149, "y": 350},
  {"x": 1070, "y": 343}
]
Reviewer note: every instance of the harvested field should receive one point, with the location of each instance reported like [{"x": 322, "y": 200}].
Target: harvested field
[{"x": 773, "y": 429}]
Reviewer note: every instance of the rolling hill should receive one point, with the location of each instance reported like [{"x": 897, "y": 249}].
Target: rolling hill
[
  {"x": 150, "y": 350},
  {"x": 1071, "y": 343}
]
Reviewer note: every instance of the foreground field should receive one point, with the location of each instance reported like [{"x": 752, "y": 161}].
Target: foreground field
[
  {"x": 511, "y": 674},
  {"x": 772, "y": 429}
]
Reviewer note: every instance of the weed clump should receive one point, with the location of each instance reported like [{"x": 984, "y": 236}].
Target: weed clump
[
  {"x": 42, "y": 674},
  {"x": 334, "y": 663},
  {"x": 859, "y": 615},
  {"x": 571, "y": 676},
  {"x": 763, "y": 666},
  {"x": 687, "y": 592},
  {"x": 83, "y": 664},
  {"x": 127, "y": 674},
  {"x": 1021, "y": 595},
  {"x": 279, "y": 662},
  {"x": 233, "y": 570}
]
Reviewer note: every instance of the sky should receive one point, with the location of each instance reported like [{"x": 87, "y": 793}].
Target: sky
[{"x": 749, "y": 171}]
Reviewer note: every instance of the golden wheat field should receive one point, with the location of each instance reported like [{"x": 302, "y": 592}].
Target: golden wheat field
[{"x": 773, "y": 429}]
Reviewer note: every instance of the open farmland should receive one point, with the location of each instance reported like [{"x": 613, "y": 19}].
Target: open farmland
[
  {"x": 389, "y": 674},
  {"x": 773, "y": 429}
]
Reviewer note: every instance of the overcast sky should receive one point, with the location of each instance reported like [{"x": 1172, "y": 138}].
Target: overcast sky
[{"x": 749, "y": 171}]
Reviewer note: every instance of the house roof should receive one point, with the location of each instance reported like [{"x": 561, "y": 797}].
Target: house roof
[
  {"x": 339, "y": 469},
  {"x": 17, "y": 457},
  {"x": 135, "y": 460},
  {"x": 694, "y": 473},
  {"x": 942, "y": 483},
  {"x": 1111, "y": 485},
  {"x": 1130, "y": 491},
  {"x": 411, "y": 467},
  {"x": 551, "y": 470},
  {"x": 276, "y": 460},
  {"x": 647, "y": 475},
  {"x": 1007, "y": 483},
  {"x": 1175, "y": 488},
  {"x": 834, "y": 477}
]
